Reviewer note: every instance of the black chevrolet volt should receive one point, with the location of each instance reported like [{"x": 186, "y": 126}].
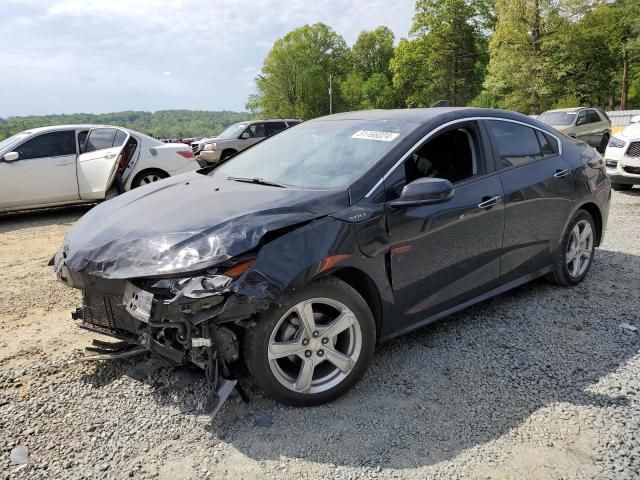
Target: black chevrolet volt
[{"x": 296, "y": 256}]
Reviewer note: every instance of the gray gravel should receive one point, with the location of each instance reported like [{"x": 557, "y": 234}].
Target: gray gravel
[{"x": 542, "y": 382}]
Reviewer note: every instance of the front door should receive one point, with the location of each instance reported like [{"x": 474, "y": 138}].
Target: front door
[
  {"x": 253, "y": 134},
  {"x": 445, "y": 254},
  {"x": 538, "y": 195},
  {"x": 44, "y": 173}
]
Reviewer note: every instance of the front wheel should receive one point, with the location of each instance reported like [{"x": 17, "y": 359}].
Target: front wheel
[
  {"x": 315, "y": 348},
  {"x": 575, "y": 255}
]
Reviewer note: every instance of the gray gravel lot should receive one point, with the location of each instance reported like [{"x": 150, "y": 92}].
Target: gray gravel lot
[{"x": 539, "y": 383}]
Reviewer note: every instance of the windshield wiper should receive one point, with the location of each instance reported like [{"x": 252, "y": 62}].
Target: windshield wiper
[{"x": 257, "y": 181}]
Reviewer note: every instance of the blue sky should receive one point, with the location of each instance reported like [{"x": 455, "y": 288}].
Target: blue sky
[{"x": 91, "y": 56}]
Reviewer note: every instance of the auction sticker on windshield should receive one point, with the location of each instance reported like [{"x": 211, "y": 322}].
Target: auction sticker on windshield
[{"x": 374, "y": 135}]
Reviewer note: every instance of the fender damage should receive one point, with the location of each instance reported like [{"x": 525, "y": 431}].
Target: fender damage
[{"x": 159, "y": 269}]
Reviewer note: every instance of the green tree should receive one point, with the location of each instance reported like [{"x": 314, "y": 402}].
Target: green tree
[
  {"x": 446, "y": 46},
  {"x": 295, "y": 75},
  {"x": 368, "y": 85},
  {"x": 521, "y": 68},
  {"x": 372, "y": 52}
]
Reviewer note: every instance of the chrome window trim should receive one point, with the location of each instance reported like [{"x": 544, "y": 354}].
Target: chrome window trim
[{"x": 448, "y": 124}]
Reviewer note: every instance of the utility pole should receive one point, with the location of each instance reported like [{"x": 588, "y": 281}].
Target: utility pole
[
  {"x": 625, "y": 78},
  {"x": 330, "y": 96}
]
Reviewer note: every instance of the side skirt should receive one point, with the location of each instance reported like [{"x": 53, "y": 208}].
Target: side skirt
[{"x": 480, "y": 298}]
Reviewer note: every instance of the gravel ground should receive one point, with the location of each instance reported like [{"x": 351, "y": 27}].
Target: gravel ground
[{"x": 539, "y": 383}]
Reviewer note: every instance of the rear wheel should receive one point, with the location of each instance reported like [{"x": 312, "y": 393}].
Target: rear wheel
[
  {"x": 315, "y": 348},
  {"x": 621, "y": 186},
  {"x": 575, "y": 255},
  {"x": 148, "y": 176}
]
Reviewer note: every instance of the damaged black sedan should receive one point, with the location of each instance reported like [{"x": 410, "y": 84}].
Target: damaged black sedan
[{"x": 296, "y": 256}]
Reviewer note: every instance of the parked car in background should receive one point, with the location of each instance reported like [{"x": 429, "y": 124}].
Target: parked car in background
[
  {"x": 237, "y": 137},
  {"x": 622, "y": 158},
  {"x": 317, "y": 243},
  {"x": 68, "y": 164},
  {"x": 591, "y": 125}
]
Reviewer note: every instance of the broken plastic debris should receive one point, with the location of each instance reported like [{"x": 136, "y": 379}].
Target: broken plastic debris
[
  {"x": 629, "y": 327},
  {"x": 19, "y": 455}
]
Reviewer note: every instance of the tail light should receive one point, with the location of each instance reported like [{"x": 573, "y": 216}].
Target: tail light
[{"x": 186, "y": 153}]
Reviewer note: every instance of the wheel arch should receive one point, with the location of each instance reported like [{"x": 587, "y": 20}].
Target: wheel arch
[
  {"x": 146, "y": 171},
  {"x": 366, "y": 287},
  {"x": 594, "y": 210}
]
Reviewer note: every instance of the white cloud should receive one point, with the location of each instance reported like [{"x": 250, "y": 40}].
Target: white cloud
[{"x": 97, "y": 55}]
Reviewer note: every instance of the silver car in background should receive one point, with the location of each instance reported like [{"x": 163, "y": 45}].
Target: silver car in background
[{"x": 237, "y": 137}]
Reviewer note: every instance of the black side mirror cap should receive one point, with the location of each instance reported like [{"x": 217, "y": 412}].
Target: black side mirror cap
[{"x": 425, "y": 191}]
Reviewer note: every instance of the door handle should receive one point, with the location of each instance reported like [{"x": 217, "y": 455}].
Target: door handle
[
  {"x": 109, "y": 157},
  {"x": 63, "y": 163},
  {"x": 562, "y": 173},
  {"x": 490, "y": 202}
]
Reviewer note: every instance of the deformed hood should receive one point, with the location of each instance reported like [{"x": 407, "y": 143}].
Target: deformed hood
[{"x": 186, "y": 223}]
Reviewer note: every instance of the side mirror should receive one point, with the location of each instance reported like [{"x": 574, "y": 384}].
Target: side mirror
[
  {"x": 425, "y": 191},
  {"x": 11, "y": 156},
  {"x": 581, "y": 121},
  {"x": 635, "y": 119},
  {"x": 244, "y": 135}
]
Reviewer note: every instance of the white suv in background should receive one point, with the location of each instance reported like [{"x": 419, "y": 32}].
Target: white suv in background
[
  {"x": 238, "y": 137},
  {"x": 623, "y": 158}
]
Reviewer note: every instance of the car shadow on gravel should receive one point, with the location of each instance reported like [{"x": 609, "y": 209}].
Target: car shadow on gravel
[
  {"x": 448, "y": 387},
  {"x": 10, "y": 222}
]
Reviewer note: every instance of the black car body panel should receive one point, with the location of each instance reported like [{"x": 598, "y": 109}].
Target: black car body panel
[{"x": 411, "y": 263}]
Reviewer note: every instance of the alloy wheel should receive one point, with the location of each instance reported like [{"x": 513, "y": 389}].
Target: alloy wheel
[
  {"x": 579, "y": 248},
  {"x": 315, "y": 345},
  {"x": 152, "y": 177}
]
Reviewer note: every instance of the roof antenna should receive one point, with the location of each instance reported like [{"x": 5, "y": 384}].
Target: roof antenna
[{"x": 441, "y": 103}]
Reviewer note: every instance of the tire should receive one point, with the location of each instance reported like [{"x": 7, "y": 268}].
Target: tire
[
  {"x": 565, "y": 272},
  {"x": 621, "y": 187},
  {"x": 603, "y": 143},
  {"x": 152, "y": 175},
  {"x": 226, "y": 154},
  {"x": 280, "y": 378}
]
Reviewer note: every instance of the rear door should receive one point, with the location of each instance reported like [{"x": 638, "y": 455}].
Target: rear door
[
  {"x": 45, "y": 172},
  {"x": 271, "y": 128},
  {"x": 97, "y": 165},
  {"x": 539, "y": 190}
]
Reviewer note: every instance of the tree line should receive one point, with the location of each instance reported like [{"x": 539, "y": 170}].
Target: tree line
[
  {"x": 161, "y": 124},
  {"x": 523, "y": 55}
]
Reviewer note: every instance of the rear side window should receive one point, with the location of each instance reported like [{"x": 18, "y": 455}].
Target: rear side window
[
  {"x": 516, "y": 144},
  {"x": 548, "y": 144},
  {"x": 593, "y": 116},
  {"x": 99, "y": 139},
  {"x": 274, "y": 127},
  {"x": 54, "y": 144}
]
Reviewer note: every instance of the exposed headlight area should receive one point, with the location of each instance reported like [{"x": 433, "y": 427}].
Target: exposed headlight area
[{"x": 615, "y": 142}]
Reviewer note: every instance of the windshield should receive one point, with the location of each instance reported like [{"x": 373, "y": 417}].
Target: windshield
[
  {"x": 233, "y": 131},
  {"x": 320, "y": 154},
  {"x": 557, "y": 118},
  {"x": 13, "y": 139}
]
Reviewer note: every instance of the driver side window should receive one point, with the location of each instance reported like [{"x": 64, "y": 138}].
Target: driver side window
[
  {"x": 256, "y": 130},
  {"x": 453, "y": 155}
]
